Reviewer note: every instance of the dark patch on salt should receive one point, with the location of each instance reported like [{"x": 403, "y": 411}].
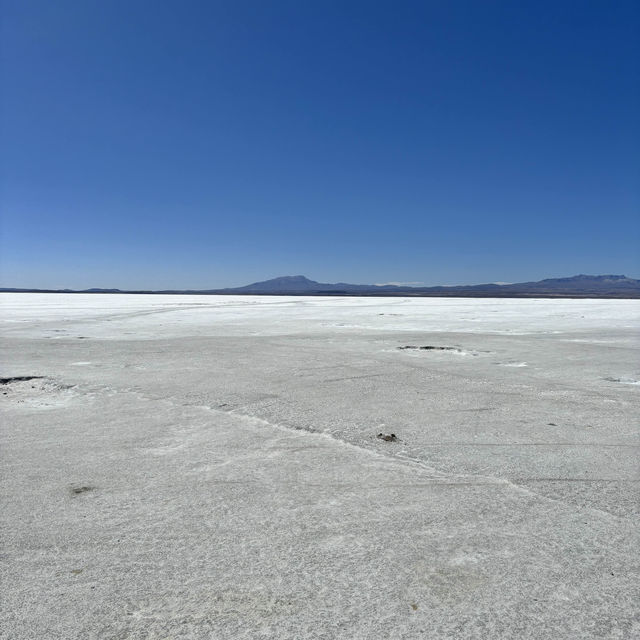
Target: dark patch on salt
[
  {"x": 19, "y": 379},
  {"x": 429, "y": 347},
  {"x": 432, "y": 348},
  {"x": 81, "y": 489}
]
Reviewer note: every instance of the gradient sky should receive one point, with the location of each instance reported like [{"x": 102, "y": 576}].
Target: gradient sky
[{"x": 204, "y": 144}]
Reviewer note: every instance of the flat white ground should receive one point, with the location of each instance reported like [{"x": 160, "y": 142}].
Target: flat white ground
[{"x": 208, "y": 467}]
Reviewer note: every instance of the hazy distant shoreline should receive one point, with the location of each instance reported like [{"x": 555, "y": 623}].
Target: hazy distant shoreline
[
  {"x": 580, "y": 286},
  {"x": 336, "y": 294}
]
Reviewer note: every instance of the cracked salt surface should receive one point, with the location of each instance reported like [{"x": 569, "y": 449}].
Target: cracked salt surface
[{"x": 209, "y": 467}]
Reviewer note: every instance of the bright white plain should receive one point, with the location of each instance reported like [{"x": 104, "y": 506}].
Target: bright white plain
[{"x": 208, "y": 467}]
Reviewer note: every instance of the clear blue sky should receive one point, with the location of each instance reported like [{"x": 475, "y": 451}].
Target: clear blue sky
[{"x": 203, "y": 144}]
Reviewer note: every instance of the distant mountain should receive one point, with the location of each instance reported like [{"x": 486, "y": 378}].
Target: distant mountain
[
  {"x": 301, "y": 284},
  {"x": 581, "y": 286},
  {"x": 284, "y": 283},
  {"x": 582, "y": 281}
]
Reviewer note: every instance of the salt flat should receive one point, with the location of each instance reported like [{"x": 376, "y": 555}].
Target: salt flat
[{"x": 208, "y": 467}]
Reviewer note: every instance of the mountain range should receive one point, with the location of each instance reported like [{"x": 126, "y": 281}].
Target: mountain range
[{"x": 580, "y": 286}]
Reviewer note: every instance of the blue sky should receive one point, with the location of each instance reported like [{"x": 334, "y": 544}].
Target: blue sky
[{"x": 204, "y": 144}]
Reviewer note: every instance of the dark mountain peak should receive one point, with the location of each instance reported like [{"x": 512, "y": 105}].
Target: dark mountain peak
[
  {"x": 293, "y": 280},
  {"x": 284, "y": 283}
]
